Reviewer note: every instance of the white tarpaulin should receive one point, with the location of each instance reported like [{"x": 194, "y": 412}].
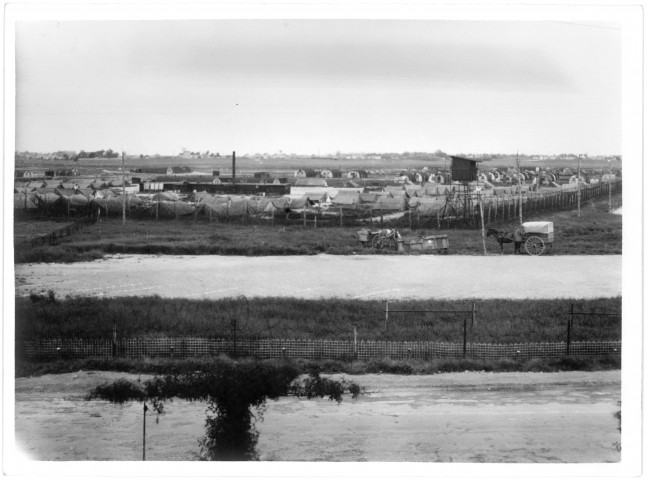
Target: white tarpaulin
[{"x": 538, "y": 227}]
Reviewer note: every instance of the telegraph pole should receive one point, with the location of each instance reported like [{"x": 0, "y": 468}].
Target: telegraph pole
[
  {"x": 609, "y": 180},
  {"x": 579, "y": 192},
  {"x": 478, "y": 190},
  {"x": 123, "y": 185},
  {"x": 233, "y": 167},
  {"x": 520, "y": 201}
]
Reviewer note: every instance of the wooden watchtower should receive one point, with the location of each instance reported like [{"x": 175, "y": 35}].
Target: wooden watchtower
[{"x": 465, "y": 170}]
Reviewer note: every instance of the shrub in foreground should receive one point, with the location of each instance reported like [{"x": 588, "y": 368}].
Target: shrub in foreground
[{"x": 234, "y": 392}]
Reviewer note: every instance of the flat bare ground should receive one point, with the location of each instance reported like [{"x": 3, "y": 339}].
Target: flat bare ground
[
  {"x": 324, "y": 276},
  {"x": 465, "y": 417}
]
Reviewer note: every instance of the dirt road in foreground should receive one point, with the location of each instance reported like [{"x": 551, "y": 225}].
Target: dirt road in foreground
[
  {"x": 323, "y": 276},
  {"x": 465, "y": 417}
]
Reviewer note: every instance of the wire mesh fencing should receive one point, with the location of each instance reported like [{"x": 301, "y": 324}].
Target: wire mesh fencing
[{"x": 305, "y": 348}]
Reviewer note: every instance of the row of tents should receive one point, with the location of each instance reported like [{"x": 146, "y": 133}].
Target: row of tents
[{"x": 169, "y": 204}]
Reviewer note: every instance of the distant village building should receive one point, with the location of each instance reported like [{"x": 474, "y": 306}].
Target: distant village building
[
  {"x": 311, "y": 182},
  {"x": 305, "y": 172},
  {"x": 333, "y": 173},
  {"x": 177, "y": 170},
  {"x": 357, "y": 174}
]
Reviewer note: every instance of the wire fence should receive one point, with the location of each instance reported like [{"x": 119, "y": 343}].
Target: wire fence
[
  {"x": 448, "y": 209},
  {"x": 305, "y": 348}
]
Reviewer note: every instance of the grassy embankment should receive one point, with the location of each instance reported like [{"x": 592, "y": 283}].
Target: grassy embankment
[
  {"x": 496, "y": 321},
  {"x": 163, "y": 366},
  {"x": 594, "y": 233}
]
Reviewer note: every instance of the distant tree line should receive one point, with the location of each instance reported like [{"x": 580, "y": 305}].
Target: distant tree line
[{"x": 98, "y": 154}]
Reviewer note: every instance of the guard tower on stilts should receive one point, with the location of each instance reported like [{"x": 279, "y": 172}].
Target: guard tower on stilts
[{"x": 465, "y": 170}]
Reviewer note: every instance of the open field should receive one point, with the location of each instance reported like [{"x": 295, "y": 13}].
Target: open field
[
  {"x": 595, "y": 232},
  {"x": 291, "y": 164},
  {"x": 462, "y": 417},
  {"x": 496, "y": 320}
]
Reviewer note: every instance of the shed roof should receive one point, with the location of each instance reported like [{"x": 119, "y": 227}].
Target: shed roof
[
  {"x": 455, "y": 157},
  {"x": 310, "y": 182}
]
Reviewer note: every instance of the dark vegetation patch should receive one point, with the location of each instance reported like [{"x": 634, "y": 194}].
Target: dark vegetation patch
[
  {"x": 235, "y": 394},
  {"x": 167, "y": 366}
]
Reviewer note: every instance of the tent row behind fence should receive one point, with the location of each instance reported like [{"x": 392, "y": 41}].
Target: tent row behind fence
[{"x": 168, "y": 205}]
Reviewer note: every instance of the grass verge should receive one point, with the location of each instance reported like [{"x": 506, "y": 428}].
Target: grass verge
[
  {"x": 496, "y": 320},
  {"x": 161, "y": 366},
  {"x": 594, "y": 233}
]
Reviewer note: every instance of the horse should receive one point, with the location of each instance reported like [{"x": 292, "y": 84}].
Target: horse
[{"x": 500, "y": 236}]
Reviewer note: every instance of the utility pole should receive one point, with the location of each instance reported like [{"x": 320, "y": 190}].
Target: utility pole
[
  {"x": 609, "y": 180},
  {"x": 233, "y": 167},
  {"x": 123, "y": 185},
  {"x": 478, "y": 190},
  {"x": 579, "y": 192},
  {"x": 520, "y": 201}
]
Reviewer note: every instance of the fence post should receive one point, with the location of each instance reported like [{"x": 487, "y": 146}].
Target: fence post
[
  {"x": 386, "y": 316},
  {"x": 568, "y": 331},
  {"x": 464, "y": 336},
  {"x": 233, "y": 327},
  {"x": 114, "y": 339},
  {"x": 355, "y": 342}
]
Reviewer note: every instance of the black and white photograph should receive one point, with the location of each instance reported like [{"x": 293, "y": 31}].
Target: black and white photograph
[{"x": 323, "y": 240}]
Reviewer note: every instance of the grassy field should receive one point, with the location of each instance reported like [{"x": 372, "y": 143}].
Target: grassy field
[
  {"x": 291, "y": 164},
  {"x": 596, "y": 232},
  {"x": 496, "y": 321}
]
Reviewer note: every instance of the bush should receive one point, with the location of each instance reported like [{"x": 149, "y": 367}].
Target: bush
[{"x": 231, "y": 391}]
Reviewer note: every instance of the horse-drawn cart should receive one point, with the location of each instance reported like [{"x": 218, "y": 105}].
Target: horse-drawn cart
[
  {"x": 534, "y": 237},
  {"x": 537, "y": 237},
  {"x": 391, "y": 239},
  {"x": 430, "y": 243},
  {"x": 379, "y": 239}
]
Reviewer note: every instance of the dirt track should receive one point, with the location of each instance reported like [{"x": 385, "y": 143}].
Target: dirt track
[
  {"x": 464, "y": 417},
  {"x": 361, "y": 276}
]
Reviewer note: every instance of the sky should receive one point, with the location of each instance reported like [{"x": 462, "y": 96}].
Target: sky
[{"x": 319, "y": 86}]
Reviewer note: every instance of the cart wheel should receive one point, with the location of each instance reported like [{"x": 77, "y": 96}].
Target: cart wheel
[
  {"x": 376, "y": 242},
  {"x": 535, "y": 245}
]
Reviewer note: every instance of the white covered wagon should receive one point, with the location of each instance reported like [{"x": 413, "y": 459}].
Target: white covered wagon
[{"x": 538, "y": 236}]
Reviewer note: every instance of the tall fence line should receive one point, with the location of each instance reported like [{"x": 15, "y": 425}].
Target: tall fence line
[
  {"x": 306, "y": 348},
  {"x": 455, "y": 210}
]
